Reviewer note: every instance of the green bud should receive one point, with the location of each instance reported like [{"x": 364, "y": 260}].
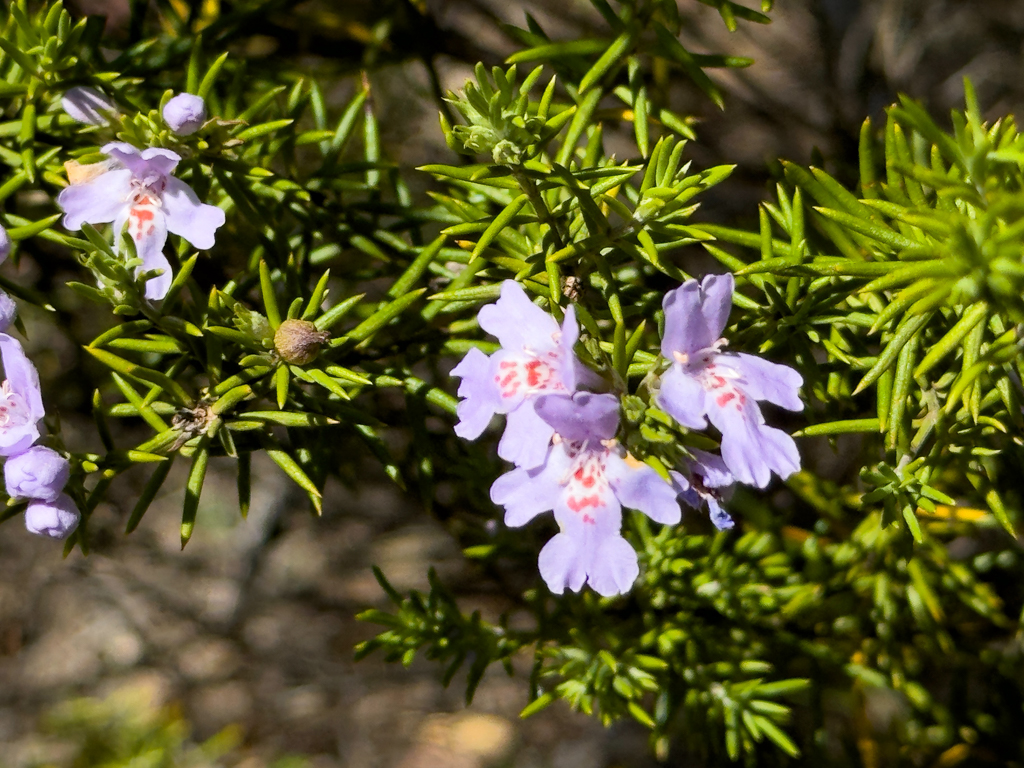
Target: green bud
[{"x": 506, "y": 153}]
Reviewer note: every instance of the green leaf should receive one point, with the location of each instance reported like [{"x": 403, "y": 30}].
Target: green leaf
[
  {"x": 203, "y": 91},
  {"x": 264, "y": 129},
  {"x": 908, "y": 329},
  {"x": 995, "y": 504},
  {"x": 193, "y": 489},
  {"x": 337, "y": 312},
  {"x": 499, "y": 223},
  {"x": 149, "y": 492},
  {"x": 535, "y": 706},
  {"x": 951, "y": 341},
  {"x": 611, "y": 57},
  {"x": 291, "y": 468},
  {"x": 269, "y": 296},
  {"x": 777, "y": 736},
  {"x": 551, "y": 51},
  {"x": 415, "y": 270},
  {"x": 670, "y": 47},
  {"x": 849, "y": 426},
  {"x": 147, "y": 375},
  {"x": 384, "y": 315}
]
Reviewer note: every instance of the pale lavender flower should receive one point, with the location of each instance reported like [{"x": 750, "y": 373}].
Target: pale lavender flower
[
  {"x": 56, "y": 519},
  {"x": 138, "y": 190},
  {"x": 706, "y": 474},
  {"x": 586, "y": 479},
  {"x": 5, "y": 244},
  {"x": 706, "y": 383},
  {"x": 535, "y": 358},
  {"x": 38, "y": 473},
  {"x": 185, "y": 113},
  {"x": 21, "y": 400},
  {"x": 8, "y": 311},
  {"x": 87, "y": 105}
]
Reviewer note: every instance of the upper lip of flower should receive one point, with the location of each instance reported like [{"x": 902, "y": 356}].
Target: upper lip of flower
[{"x": 684, "y": 358}]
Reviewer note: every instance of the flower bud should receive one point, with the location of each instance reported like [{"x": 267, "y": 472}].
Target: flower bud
[
  {"x": 5, "y": 244},
  {"x": 298, "y": 341},
  {"x": 56, "y": 519},
  {"x": 185, "y": 113},
  {"x": 87, "y": 105},
  {"x": 506, "y": 153},
  {"x": 38, "y": 473},
  {"x": 8, "y": 311}
]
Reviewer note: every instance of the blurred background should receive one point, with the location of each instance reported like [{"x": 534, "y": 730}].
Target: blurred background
[{"x": 247, "y": 636}]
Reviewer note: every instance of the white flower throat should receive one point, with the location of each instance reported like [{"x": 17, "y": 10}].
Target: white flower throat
[
  {"x": 720, "y": 381},
  {"x": 13, "y": 408}
]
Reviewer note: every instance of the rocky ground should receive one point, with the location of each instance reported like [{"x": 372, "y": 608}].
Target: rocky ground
[{"x": 253, "y": 624}]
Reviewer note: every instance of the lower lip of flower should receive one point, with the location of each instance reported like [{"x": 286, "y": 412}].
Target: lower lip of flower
[{"x": 586, "y": 487}]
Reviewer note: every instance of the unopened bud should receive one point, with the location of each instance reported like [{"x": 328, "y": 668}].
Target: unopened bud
[
  {"x": 5, "y": 243},
  {"x": 38, "y": 473},
  {"x": 185, "y": 113},
  {"x": 8, "y": 311},
  {"x": 299, "y": 341},
  {"x": 56, "y": 519}
]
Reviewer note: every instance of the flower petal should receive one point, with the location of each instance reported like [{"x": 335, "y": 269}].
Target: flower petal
[
  {"x": 580, "y": 417},
  {"x": 764, "y": 380},
  {"x": 716, "y": 302},
  {"x": 721, "y": 519},
  {"x": 22, "y": 375},
  {"x": 682, "y": 398},
  {"x": 562, "y": 565},
  {"x": 712, "y": 469},
  {"x": 95, "y": 202},
  {"x": 686, "y": 329},
  {"x": 22, "y": 428},
  {"x": 480, "y": 397},
  {"x": 526, "y": 438},
  {"x": 189, "y": 218},
  {"x": 87, "y": 105},
  {"x": 613, "y": 568},
  {"x": 572, "y": 371},
  {"x": 638, "y": 486},
  {"x": 148, "y": 228},
  {"x": 526, "y": 493},
  {"x": 683, "y": 489},
  {"x": 518, "y": 322},
  {"x": 751, "y": 449},
  {"x": 145, "y": 164}
]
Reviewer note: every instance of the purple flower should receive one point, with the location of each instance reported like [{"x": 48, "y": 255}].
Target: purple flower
[
  {"x": 706, "y": 383},
  {"x": 56, "y": 519},
  {"x": 706, "y": 474},
  {"x": 8, "y": 311},
  {"x": 535, "y": 358},
  {"x": 586, "y": 479},
  {"x": 21, "y": 400},
  {"x": 5, "y": 244},
  {"x": 138, "y": 190},
  {"x": 38, "y": 473},
  {"x": 185, "y": 113},
  {"x": 87, "y": 105}
]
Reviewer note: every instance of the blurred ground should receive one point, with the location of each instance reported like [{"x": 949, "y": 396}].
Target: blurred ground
[{"x": 253, "y": 623}]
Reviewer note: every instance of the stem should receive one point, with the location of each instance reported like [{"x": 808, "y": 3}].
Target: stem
[{"x": 527, "y": 185}]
